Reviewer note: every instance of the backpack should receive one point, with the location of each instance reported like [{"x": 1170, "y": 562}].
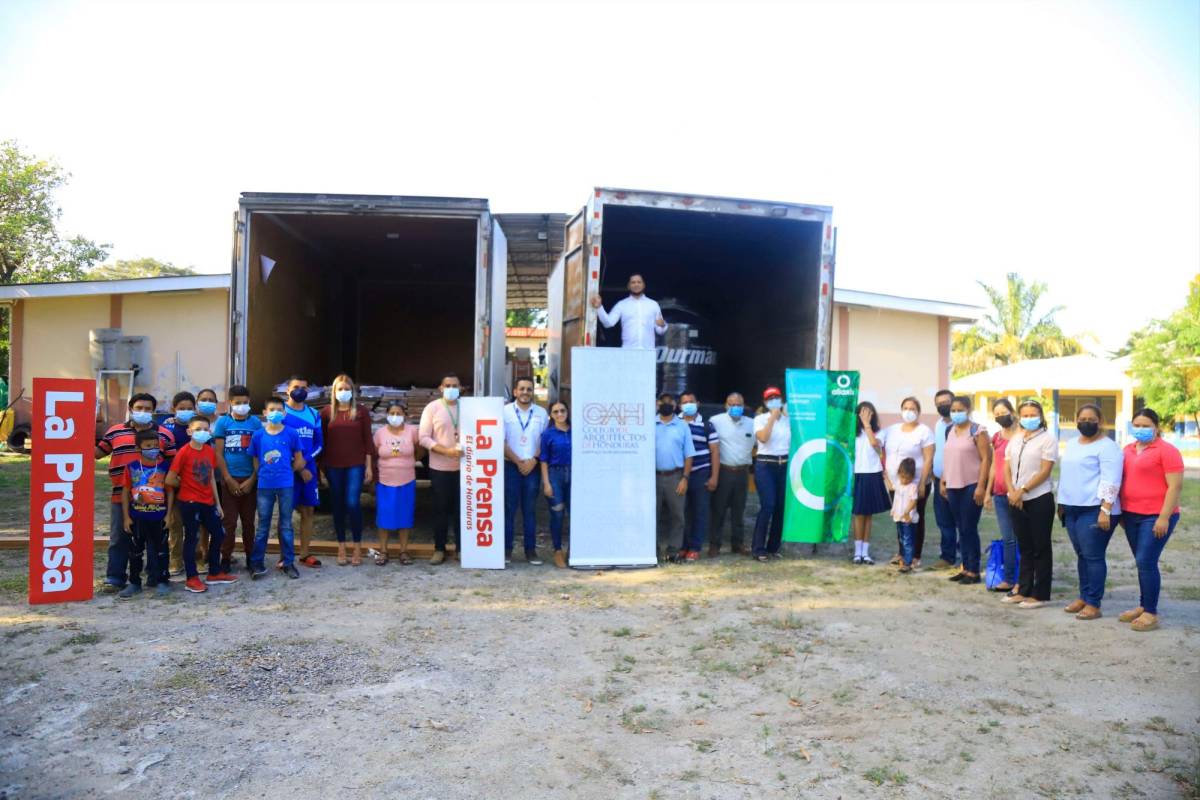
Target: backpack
[{"x": 974, "y": 431}]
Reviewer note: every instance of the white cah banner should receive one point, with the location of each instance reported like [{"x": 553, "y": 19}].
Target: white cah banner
[
  {"x": 612, "y": 457},
  {"x": 481, "y": 512}
]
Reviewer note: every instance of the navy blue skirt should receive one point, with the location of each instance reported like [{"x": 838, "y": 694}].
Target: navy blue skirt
[{"x": 870, "y": 494}]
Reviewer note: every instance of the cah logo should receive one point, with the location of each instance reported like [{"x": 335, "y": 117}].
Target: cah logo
[
  {"x": 843, "y": 386},
  {"x": 687, "y": 355},
  {"x": 614, "y": 413}
]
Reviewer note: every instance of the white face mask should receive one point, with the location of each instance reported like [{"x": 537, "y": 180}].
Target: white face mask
[
  {"x": 774, "y": 403},
  {"x": 395, "y": 420},
  {"x": 344, "y": 395},
  {"x": 450, "y": 393},
  {"x": 908, "y": 415},
  {"x": 241, "y": 409}
]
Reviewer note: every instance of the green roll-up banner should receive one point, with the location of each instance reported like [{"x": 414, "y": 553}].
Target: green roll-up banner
[{"x": 820, "y": 408}]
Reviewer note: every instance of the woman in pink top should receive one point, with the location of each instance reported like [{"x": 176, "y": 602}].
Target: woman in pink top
[
  {"x": 397, "y": 448},
  {"x": 997, "y": 490},
  {"x": 965, "y": 467}
]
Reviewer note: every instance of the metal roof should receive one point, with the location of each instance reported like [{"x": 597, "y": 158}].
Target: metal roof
[
  {"x": 535, "y": 242},
  {"x": 956, "y": 312},
  {"x": 169, "y": 283},
  {"x": 1073, "y": 373}
]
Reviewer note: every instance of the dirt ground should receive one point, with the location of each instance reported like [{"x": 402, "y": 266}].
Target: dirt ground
[{"x": 806, "y": 677}]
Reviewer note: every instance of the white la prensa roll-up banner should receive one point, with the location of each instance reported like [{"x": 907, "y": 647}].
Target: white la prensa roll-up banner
[
  {"x": 612, "y": 457},
  {"x": 481, "y": 510}
]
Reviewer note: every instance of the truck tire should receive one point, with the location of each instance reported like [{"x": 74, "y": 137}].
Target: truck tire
[{"x": 18, "y": 440}]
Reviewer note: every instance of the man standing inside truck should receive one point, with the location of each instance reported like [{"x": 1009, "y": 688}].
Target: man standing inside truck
[
  {"x": 306, "y": 422},
  {"x": 640, "y": 317},
  {"x": 439, "y": 435},
  {"x": 524, "y": 422}
]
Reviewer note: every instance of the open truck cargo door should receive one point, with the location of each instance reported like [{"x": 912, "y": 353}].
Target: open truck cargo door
[{"x": 494, "y": 284}]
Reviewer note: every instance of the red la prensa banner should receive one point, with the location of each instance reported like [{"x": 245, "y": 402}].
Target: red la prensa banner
[
  {"x": 481, "y": 511},
  {"x": 61, "y": 500}
]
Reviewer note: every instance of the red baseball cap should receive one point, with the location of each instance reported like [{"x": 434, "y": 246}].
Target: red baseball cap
[{"x": 771, "y": 391}]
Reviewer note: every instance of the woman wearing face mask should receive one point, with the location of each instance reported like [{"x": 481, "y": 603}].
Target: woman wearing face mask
[
  {"x": 997, "y": 490},
  {"x": 1029, "y": 460},
  {"x": 206, "y": 405},
  {"x": 966, "y": 461},
  {"x": 1152, "y": 480},
  {"x": 1088, "y": 482},
  {"x": 910, "y": 438},
  {"x": 870, "y": 490},
  {"x": 346, "y": 462},
  {"x": 773, "y": 432},
  {"x": 397, "y": 450}
]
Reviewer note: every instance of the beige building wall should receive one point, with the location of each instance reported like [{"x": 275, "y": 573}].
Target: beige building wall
[
  {"x": 54, "y": 337},
  {"x": 189, "y": 340}
]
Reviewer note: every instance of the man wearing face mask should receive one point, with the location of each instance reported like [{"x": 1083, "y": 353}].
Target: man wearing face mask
[
  {"x": 439, "y": 435},
  {"x": 702, "y": 480},
  {"x": 306, "y": 422},
  {"x": 735, "y": 438},
  {"x": 941, "y": 507},
  {"x": 673, "y": 454},
  {"x": 120, "y": 444},
  {"x": 640, "y": 317}
]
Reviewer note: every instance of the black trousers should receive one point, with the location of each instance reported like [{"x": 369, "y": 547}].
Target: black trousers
[
  {"x": 445, "y": 487},
  {"x": 149, "y": 537},
  {"x": 1032, "y": 525},
  {"x": 730, "y": 497}
]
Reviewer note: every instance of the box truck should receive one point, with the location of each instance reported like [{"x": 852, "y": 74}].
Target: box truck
[
  {"x": 746, "y": 287},
  {"x": 395, "y": 291}
]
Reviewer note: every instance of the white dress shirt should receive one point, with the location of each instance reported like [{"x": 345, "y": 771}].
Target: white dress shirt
[
  {"x": 736, "y": 438},
  {"x": 779, "y": 443},
  {"x": 639, "y": 321},
  {"x": 523, "y": 429}
]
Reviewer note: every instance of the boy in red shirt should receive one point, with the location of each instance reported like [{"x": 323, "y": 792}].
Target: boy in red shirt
[{"x": 192, "y": 482}]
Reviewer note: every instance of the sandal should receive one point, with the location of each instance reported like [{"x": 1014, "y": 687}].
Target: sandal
[
  {"x": 405, "y": 560},
  {"x": 381, "y": 560},
  {"x": 1146, "y": 622},
  {"x": 341, "y": 562},
  {"x": 1002, "y": 587},
  {"x": 896, "y": 561},
  {"x": 311, "y": 561},
  {"x": 356, "y": 559}
]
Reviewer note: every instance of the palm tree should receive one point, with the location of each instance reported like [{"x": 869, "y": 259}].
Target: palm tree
[{"x": 1013, "y": 330}]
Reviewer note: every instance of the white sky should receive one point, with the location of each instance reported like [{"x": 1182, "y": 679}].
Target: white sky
[{"x": 956, "y": 141}]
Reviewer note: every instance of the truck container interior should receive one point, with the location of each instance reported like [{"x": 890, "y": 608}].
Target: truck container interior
[
  {"x": 388, "y": 298},
  {"x": 753, "y": 279}
]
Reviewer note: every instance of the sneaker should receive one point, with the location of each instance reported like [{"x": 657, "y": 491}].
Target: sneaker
[
  {"x": 175, "y": 573},
  {"x": 112, "y": 588},
  {"x": 438, "y": 557},
  {"x": 941, "y": 564},
  {"x": 858, "y": 559},
  {"x": 257, "y": 571},
  {"x": 560, "y": 560},
  {"x": 969, "y": 580},
  {"x": 672, "y": 555},
  {"x": 129, "y": 592},
  {"x": 507, "y": 558},
  {"x": 291, "y": 571},
  {"x": 778, "y": 554},
  {"x": 957, "y": 577},
  {"x": 226, "y": 567},
  {"x": 163, "y": 589},
  {"x": 762, "y": 558},
  {"x": 531, "y": 558},
  {"x": 195, "y": 585},
  {"x": 222, "y": 577},
  {"x": 692, "y": 555},
  {"x": 867, "y": 560}
]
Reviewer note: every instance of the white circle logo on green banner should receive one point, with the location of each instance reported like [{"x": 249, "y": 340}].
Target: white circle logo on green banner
[
  {"x": 843, "y": 381},
  {"x": 803, "y": 453}
]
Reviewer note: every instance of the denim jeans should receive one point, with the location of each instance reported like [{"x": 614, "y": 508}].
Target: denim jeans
[
  {"x": 906, "y": 532},
  {"x": 1090, "y": 543},
  {"x": 267, "y": 498},
  {"x": 1004, "y": 520},
  {"x": 115, "y": 572},
  {"x": 770, "y": 479},
  {"x": 1146, "y": 548},
  {"x": 345, "y": 490},
  {"x": 560, "y": 504},
  {"x": 194, "y": 515},
  {"x": 945, "y": 523},
  {"x": 695, "y": 515},
  {"x": 965, "y": 514},
  {"x": 520, "y": 490}
]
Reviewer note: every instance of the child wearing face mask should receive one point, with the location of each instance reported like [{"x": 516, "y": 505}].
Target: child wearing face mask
[
  {"x": 144, "y": 504},
  {"x": 235, "y": 466},
  {"x": 183, "y": 411},
  {"x": 397, "y": 448},
  {"x": 192, "y": 482}
]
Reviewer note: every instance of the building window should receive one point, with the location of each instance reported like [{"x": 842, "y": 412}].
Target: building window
[{"x": 1068, "y": 407}]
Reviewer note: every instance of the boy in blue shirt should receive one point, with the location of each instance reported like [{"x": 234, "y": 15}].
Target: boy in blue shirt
[
  {"x": 235, "y": 467},
  {"x": 306, "y": 422},
  {"x": 145, "y": 504},
  {"x": 278, "y": 455}
]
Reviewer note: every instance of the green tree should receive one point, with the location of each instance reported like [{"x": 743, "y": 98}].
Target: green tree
[
  {"x": 1166, "y": 361},
  {"x": 1013, "y": 330},
  {"x": 32, "y": 249},
  {"x": 525, "y": 318},
  {"x": 136, "y": 268}
]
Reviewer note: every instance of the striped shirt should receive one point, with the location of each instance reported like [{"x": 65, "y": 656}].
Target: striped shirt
[
  {"x": 703, "y": 434},
  {"x": 120, "y": 444}
]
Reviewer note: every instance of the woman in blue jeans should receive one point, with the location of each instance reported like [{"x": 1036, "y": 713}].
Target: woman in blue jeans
[
  {"x": 1089, "y": 480},
  {"x": 346, "y": 462},
  {"x": 773, "y": 434},
  {"x": 556, "y": 475},
  {"x": 1151, "y": 481},
  {"x": 966, "y": 464},
  {"x": 997, "y": 491}
]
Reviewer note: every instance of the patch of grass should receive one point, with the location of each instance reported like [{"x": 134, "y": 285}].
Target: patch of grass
[
  {"x": 965, "y": 756},
  {"x": 703, "y": 745},
  {"x": 183, "y": 679},
  {"x": 710, "y": 665},
  {"x": 622, "y": 633},
  {"x": 843, "y": 695},
  {"x": 1160, "y": 725},
  {"x": 1005, "y": 707},
  {"x": 790, "y": 622},
  {"x": 1184, "y": 592},
  {"x": 15, "y": 632},
  {"x": 83, "y": 639},
  {"x": 882, "y": 775}
]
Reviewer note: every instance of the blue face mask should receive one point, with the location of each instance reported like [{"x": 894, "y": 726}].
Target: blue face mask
[
  {"x": 207, "y": 407},
  {"x": 450, "y": 393},
  {"x": 150, "y": 453},
  {"x": 1031, "y": 423},
  {"x": 299, "y": 394},
  {"x": 141, "y": 417},
  {"x": 689, "y": 409},
  {"x": 185, "y": 415},
  {"x": 736, "y": 411},
  {"x": 275, "y": 417},
  {"x": 774, "y": 403},
  {"x": 203, "y": 437},
  {"x": 958, "y": 417},
  {"x": 1143, "y": 435}
]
